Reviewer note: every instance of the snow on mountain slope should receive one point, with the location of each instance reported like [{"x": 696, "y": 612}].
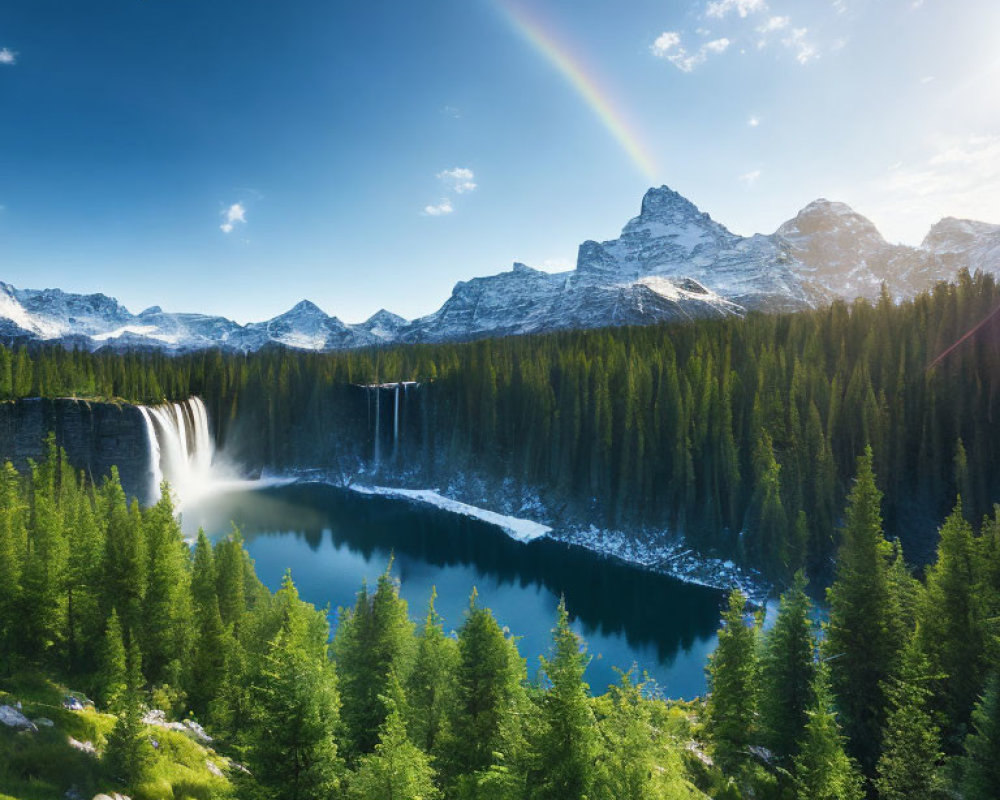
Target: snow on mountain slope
[{"x": 671, "y": 262}]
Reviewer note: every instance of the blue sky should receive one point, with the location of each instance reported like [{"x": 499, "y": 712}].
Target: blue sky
[{"x": 234, "y": 158}]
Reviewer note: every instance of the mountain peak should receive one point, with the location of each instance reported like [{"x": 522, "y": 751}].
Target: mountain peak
[
  {"x": 384, "y": 318},
  {"x": 305, "y": 307},
  {"x": 830, "y": 218},
  {"x": 952, "y": 234},
  {"x": 662, "y": 201}
]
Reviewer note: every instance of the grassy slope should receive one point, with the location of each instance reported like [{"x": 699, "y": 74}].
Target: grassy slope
[{"x": 43, "y": 765}]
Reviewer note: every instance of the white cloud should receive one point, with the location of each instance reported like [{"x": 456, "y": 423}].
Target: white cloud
[
  {"x": 664, "y": 43},
  {"x": 720, "y": 8},
  {"x": 958, "y": 177},
  {"x": 459, "y": 179},
  {"x": 750, "y": 178},
  {"x": 805, "y": 50},
  {"x": 774, "y": 24},
  {"x": 716, "y": 45},
  {"x": 7, "y": 56},
  {"x": 753, "y": 122},
  {"x": 668, "y": 47},
  {"x": 442, "y": 208},
  {"x": 235, "y": 214}
]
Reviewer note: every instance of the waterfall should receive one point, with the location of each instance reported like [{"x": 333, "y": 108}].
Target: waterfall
[
  {"x": 395, "y": 425},
  {"x": 378, "y": 420},
  {"x": 181, "y": 448}
]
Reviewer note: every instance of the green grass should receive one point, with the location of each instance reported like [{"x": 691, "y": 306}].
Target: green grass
[{"x": 43, "y": 765}]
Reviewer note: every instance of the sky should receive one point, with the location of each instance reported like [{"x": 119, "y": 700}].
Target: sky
[{"x": 235, "y": 158}]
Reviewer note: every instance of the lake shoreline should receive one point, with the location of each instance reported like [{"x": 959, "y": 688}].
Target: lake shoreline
[{"x": 656, "y": 551}]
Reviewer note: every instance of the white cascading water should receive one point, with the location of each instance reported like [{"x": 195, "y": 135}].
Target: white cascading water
[{"x": 181, "y": 448}]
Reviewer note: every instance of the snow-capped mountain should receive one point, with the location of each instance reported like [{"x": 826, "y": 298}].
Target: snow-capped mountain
[{"x": 671, "y": 262}]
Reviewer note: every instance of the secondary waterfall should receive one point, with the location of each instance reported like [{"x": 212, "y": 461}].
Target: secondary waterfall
[
  {"x": 394, "y": 409},
  {"x": 181, "y": 448}
]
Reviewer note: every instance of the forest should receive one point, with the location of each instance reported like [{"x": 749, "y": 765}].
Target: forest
[
  {"x": 896, "y": 696},
  {"x": 740, "y": 433}
]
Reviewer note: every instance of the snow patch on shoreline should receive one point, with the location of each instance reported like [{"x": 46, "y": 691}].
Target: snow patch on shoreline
[
  {"x": 656, "y": 550},
  {"x": 523, "y": 530}
]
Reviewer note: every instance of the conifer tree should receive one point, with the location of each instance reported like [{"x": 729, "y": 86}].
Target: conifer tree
[
  {"x": 633, "y": 762},
  {"x": 125, "y": 558},
  {"x": 788, "y": 673},
  {"x": 113, "y": 676},
  {"x": 207, "y": 675},
  {"x": 952, "y": 635},
  {"x": 84, "y": 616},
  {"x": 823, "y": 771},
  {"x": 397, "y": 769},
  {"x": 373, "y": 639},
  {"x": 129, "y": 755},
  {"x": 167, "y": 624},
  {"x": 981, "y": 764},
  {"x": 566, "y": 746},
  {"x": 430, "y": 690},
  {"x": 13, "y": 544},
  {"x": 291, "y": 751},
  {"x": 485, "y": 725},
  {"x": 859, "y": 643},
  {"x": 733, "y": 672},
  {"x": 767, "y": 521},
  {"x": 909, "y": 763}
]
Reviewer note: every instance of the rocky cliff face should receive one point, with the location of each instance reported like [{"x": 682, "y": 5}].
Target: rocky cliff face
[{"x": 95, "y": 436}]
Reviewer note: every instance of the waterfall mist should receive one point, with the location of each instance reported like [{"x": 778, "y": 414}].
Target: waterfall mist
[{"x": 182, "y": 451}]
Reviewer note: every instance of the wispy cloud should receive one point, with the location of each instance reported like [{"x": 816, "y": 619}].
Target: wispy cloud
[
  {"x": 753, "y": 122},
  {"x": 235, "y": 215},
  {"x": 666, "y": 43},
  {"x": 798, "y": 42},
  {"x": 721, "y": 8},
  {"x": 668, "y": 47},
  {"x": 460, "y": 179},
  {"x": 958, "y": 176},
  {"x": 750, "y": 178},
  {"x": 774, "y": 24},
  {"x": 440, "y": 210},
  {"x": 7, "y": 56}
]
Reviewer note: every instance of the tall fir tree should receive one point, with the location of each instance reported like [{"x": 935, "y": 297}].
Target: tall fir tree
[
  {"x": 397, "y": 769},
  {"x": 430, "y": 689},
  {"x": 788, "y": 673},
  {"x": 823, "y": 770},
  {"x": 733, "y": 673},
  {"x": 952, "y": 634},
  {"x": 292, "y": 753},
  {"x": 859, "y": 642},
  {"x": 909, "y": 765},
  {"x": 112, "y": 683},
  {"x": 566, "y": 746},
  {"x": 373, "y": 640},
  {"x": 981, "y": 763},
  {"x": 489, "y": 714}
]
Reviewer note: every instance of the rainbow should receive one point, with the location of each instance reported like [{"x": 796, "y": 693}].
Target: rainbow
[{"x": 572, "y": 70}]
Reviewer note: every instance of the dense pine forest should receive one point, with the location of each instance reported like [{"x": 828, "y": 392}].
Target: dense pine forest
[
  {"x": 899, "y": 700},
  {"x": 742, "y": 433}
]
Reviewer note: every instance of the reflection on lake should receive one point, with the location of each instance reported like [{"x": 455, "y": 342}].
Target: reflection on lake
[{"x": 332, "y": 539}]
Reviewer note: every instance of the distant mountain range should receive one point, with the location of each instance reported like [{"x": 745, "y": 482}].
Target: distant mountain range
[{"x": 672, "y": 262}]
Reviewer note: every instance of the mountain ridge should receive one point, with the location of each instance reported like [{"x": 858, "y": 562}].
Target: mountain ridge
[{"x": 671, "y": 262}]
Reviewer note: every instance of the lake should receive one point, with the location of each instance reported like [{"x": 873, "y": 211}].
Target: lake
[{"x": 332, "y": 539}]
